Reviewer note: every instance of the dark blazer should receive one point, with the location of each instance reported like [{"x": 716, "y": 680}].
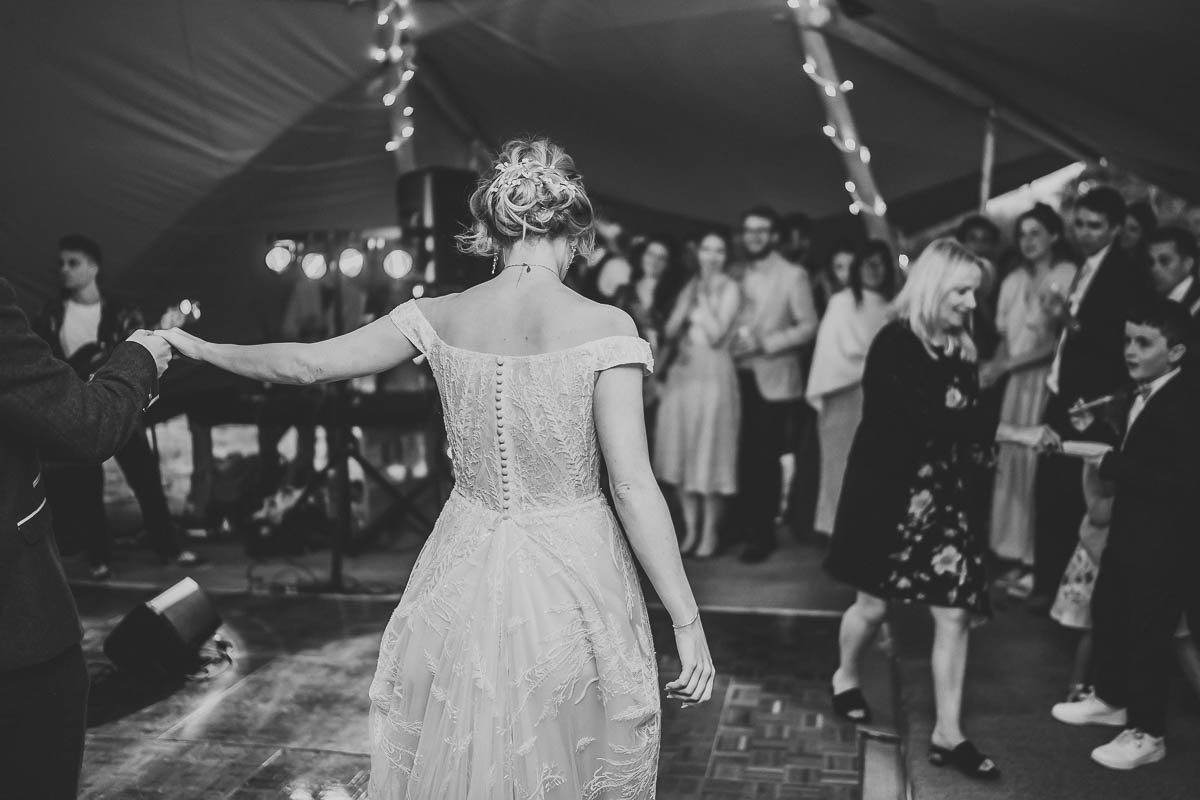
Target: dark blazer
[
  {"x": 904, "y": 412},
  {"x": 117, "y": 321},
  {"x": 1156, "y": 471},
  {"x": 45, "y": 409},
  {"x": 1093, "y": 356}
]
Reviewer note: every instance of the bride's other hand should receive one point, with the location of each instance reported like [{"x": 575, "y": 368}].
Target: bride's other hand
[
  {"x": 696, "y": 675},
  {"x": 184, "y": 343}
]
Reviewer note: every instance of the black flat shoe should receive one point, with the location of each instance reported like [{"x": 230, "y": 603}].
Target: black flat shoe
[
  {"x": 851, "y": 705},
  {"x": 966, "y": 759}
]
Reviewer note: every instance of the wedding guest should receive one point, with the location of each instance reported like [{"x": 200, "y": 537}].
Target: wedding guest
[
  {"x": 1087, "y": 365},
  {"x": 835, "y": 276},
  {"x": 906, "y": 528},
  {"x": 852, "y": 319},
  {"x": 656, "y": 281},
  {"x": 777, "y": 320},
  {"x": 795, "y": 238},
  {"x": 1140, "y": 223},
  {"x": 1152, "y": 549},
  {"x": 1028, "y": 322},
  {"x": 981, "y": 236},
  {"x": 696, "y": 435}
]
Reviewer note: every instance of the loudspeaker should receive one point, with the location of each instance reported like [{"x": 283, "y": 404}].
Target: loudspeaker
[
  {"x": 432, "y": 204},
  {"x": 164, "y": 633}
]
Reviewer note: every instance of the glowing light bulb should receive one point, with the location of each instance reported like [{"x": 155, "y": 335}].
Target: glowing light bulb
[
  {"x": 903, "y": 260},
  {"x": 395, "y": 52},
  {"x": 397, "y": 264},
  {"x": 407, "y": 131},
  {"x": 279, "y": 257},
  {"x": 408, "y": 74},
  {"x": 793, "y": 3},
  {"x": 389, "y": 99},
  {"x": 855, "y": 208},
  {"x": 408, "y": 111},
  {"x": 314, "y": 266},
  {"x": 865, "y": 154},
  {"x": 829, "y": 90},
  {"x": 880, "y": 207},
  {"x": 847, "y": 86},
  {"x": 418, "y": 291},
  {"x": 382, "y": 18},
  {"x": 378, "y": 54},
  {"x": 850, "y": 143},
  {"x": 809, "y": 66},
  {"x": 404, "y": 24},
  {"x": 850, "y": 186},
  {"x": 829, "y": 131},
  {"x": 392, "y": 146},
  {"x": 350, "y": 262}
]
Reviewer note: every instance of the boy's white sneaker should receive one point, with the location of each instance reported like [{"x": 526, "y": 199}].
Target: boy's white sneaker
[
  {"x": 1090, "y": 710},
  {"x": 1132, "y": 748}
]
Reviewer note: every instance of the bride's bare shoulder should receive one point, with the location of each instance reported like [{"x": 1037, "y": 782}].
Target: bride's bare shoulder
[{"x": 598, "y": 320}]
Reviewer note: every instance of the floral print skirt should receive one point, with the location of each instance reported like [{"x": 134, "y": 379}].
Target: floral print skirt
[{"x": 941, "y": 558}]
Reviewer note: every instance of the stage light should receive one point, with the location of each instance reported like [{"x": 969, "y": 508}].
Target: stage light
[
  {"x": 418, "y": 291},
  {"x": 280, "y": 256},
  {"x": 397, "y": 264},
  {"x": 314, "y": 266},
  {"x": 396, "y": 472},
  {"x": 350, "y": 262}
]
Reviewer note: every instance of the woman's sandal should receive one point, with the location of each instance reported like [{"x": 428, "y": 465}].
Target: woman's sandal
[
  {"x": 851, "y": 705},
  {"x": 966, "y": 759}
]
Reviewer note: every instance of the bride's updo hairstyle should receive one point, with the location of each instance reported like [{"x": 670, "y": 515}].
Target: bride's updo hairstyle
[{"x": 532, "y": 190}]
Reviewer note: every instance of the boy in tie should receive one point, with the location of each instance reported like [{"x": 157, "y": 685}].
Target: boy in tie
[{"x": 1152, "y": 546}]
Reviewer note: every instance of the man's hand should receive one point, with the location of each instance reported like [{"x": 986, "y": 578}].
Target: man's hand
[
  {"x": 1081, "y": 418},
  {"x": 156, "y": 346},
  {"x": 745, "y": 343},
  {"x": 990, "y": 373},
  {"x": 1047, "y": 440}
]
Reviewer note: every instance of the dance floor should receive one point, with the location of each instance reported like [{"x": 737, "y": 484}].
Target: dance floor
[{"x": 288, "y": 718}]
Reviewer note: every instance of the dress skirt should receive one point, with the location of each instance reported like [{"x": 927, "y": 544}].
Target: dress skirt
[
  {"x": 699, "y": 419},
  {"x": 840, "y": 414},
  {"x": 1012, "y": 519}
]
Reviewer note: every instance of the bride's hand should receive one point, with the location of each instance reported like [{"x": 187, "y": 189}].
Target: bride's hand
[
  {"x": 184, "y": 343},
  {"x": 696, "y": 674}
]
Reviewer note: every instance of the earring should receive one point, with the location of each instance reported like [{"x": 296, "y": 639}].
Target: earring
[
  {"x": 574, "y": 252},
  {"x": 495, "y": 262}
]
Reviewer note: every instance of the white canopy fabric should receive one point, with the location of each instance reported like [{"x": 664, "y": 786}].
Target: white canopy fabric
[{"x": 178, "y": 133}]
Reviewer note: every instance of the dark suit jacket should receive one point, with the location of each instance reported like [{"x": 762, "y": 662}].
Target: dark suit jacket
[
  {"x": 1093, "y": 356},
  {"x": 46, "y": 409},
  {"x": 1157, "y": 475}
]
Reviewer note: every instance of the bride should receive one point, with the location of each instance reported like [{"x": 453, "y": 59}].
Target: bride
[{"x": 519, "y": 661}]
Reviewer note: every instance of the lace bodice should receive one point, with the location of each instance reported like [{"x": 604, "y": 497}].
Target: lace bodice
[{"x": 520, "y": 428}]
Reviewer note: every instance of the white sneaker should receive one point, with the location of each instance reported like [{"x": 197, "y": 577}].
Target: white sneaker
[
  {"x": 1132, "y": 748},
  {"x": 1091, "y": 710}
]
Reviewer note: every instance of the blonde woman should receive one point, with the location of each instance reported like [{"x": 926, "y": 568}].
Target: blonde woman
[
  {"x": 519, "y": 662},
  {"x": 906, "y": 528}
]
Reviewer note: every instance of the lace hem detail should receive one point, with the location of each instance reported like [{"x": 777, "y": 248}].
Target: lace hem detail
[{"x": 617, "y": 351}]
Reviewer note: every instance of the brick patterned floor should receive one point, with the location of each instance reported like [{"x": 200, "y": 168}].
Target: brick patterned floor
[{"x": 288, "y": 719}]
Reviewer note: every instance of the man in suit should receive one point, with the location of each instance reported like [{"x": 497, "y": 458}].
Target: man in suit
[
  {"x": 778, "y": 319},
  {"x": 47, "y": 411},
  {"x": 1173, "y": 257},
  {"x": 82, "y": 327},
  {"x": 1087, "y": 365},
  {"x": 1152, "y": 551}
]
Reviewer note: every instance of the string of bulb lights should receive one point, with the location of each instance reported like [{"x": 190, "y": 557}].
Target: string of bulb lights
[
  {"x": 397, "y": 263},
  {"x": 394, "y": 47},
  {"x": 817, "y": 13}
]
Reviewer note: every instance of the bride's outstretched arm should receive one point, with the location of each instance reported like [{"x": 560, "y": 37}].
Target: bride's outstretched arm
[{"x": 372, "y": 348}]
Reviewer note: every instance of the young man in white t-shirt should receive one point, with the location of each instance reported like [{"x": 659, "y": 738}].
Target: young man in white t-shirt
[{"x": 82, "y": 328}]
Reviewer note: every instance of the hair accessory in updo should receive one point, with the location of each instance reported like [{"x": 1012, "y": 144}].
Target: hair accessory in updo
[{"x": 531, "y": 189}]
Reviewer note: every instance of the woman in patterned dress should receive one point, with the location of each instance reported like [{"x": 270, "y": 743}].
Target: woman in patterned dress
[
  {"x": 906, "y": 528},
  {"x": 518, "y": 662}
]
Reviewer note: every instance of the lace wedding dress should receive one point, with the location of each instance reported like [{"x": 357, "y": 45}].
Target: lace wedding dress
[{"x": 519, "y": 662}]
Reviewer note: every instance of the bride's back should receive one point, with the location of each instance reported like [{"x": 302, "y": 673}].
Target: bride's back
[{"x": 505, "y": 318}]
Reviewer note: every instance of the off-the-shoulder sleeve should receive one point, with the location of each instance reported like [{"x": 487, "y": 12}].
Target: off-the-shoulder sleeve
[
  {"x": 412, "y": 323},
  {"x": 616, "y": 351}
]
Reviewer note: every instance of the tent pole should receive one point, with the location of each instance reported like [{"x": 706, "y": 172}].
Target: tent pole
[
  {"x": 856, "y": 160},
  {"x": 989, "y": 160}
]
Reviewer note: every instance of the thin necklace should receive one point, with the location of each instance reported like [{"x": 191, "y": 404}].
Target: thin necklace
[{"x": 529, "y": 268}]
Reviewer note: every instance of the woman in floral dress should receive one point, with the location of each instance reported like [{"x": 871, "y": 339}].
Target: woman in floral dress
[{"x": 906, "y": 528}]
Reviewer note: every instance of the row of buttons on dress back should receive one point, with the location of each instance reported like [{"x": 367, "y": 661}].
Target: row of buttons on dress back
[{"x": 500, "y": 432}]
